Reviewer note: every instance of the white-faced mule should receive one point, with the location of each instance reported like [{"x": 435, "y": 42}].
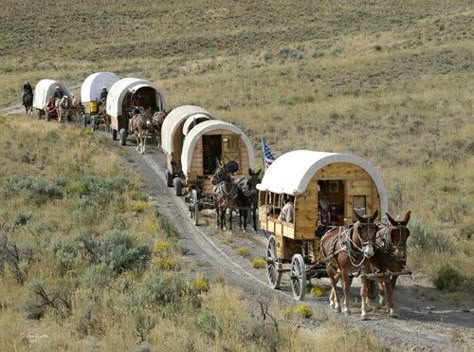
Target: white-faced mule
[
  {"x": 225, "y": 193},
  {"x": 347, "y": 251}
]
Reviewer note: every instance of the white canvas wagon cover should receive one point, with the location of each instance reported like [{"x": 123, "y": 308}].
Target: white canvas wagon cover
[
  {"x": 119, "y": 90},
  {"x": 197, "y": 132},
  {"x": 292, "y": 172},
  {"x": 45, "y": 89},
  {"x": 173, "y": 121},
  {"x": 93, "y": 84}
]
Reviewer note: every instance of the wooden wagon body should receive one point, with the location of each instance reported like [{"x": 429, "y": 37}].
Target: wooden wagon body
[
  {"x": 122, "y": 97},
  {"x": 44, "y": 90},
  {"x": 90, "y": 93},
  {"x": 344, "y": 182},
  {"x": 203, "y": 145}
]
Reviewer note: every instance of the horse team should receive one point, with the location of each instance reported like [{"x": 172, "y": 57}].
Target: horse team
[{"x": 376, "y": 251}]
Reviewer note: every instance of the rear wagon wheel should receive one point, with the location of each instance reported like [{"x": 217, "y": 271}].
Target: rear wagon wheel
[
  {"x": 273, "y": 264},
  {"x": 178, "y": 186},
  {"x": 195, "y": 205}
]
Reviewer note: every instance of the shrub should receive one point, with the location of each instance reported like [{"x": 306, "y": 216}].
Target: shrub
[
  {"x": 165, "y": 263},
  {"x": 209, "y": 325},
  {"x": 22, "y": 218},
  {"x": 448, "y": 279},
  {"x": 200, "y": 285},
  {"x": 301, "y": 311},
  {"x": 304, "y": 311},
  {"x": 75, "y": 187},
  {"x": 161, "y": 248},
  {"x": 422, "y": 236},
  {"x": 139, "y": 206},
  {"x": 38, "y": 190},
  {"x": 243, "y": 251},
  {"x": 456, "y": 297},
  {"x": 159, "y": 288},
  {"x": 258, "y": 263},
  {"x": 116, "y": 249},
  {"x": 317, "y": 291}
]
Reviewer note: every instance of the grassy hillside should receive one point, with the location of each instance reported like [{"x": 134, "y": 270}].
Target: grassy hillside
[
  {"x": 86, "y": 264},
  {"x": 390, "y": 81}
]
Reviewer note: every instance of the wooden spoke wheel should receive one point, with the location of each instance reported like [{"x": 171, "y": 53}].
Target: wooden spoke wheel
[
  {"x": 298, "y": 277},
  {"x": 273, "y": 264},
  {"x": 194, "y": 206}
]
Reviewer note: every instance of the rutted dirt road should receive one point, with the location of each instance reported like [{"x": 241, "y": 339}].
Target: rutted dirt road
[{"x": 426, "y": 320}]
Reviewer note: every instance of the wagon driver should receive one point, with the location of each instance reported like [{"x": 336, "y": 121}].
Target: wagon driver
[
  {"x": 103, "y": 95},
  {"x": 58, "y": 93},
  {"x": 324, "y": 217},
  {"x": 287, "y": 210}
]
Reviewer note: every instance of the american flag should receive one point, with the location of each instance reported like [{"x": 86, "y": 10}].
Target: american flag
[{"x": 267, "y": 154}]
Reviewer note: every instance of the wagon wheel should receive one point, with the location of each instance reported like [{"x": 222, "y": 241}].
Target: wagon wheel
[
  {"x": 298, "y": 277},
  {"x": 195, "y": 206},
  {"x": 273, "y": 264}
]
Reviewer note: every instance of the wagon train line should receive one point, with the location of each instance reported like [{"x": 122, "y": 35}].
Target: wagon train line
[{"x": 324, "y": 214}]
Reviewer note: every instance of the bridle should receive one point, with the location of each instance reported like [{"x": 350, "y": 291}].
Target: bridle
[{"x": 389, "y": 246}]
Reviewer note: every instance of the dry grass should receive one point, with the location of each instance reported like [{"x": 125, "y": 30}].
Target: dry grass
[
  {"x": 390, "y": 81},
  {"x": 100, "y": 270}
]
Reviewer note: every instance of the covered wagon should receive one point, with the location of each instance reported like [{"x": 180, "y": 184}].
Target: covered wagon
[
  {"x": 175, "y": 127},
  {"x": 44, "y": 91},
  {"x": 126, "y": 94},
  {"x": 205, "y": 145},
  {"x": 90, "y": 93},
  {"x": 323, "y": 190}
]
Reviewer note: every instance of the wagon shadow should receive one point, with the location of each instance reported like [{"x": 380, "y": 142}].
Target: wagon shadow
[{"x": 420, "y": 303}]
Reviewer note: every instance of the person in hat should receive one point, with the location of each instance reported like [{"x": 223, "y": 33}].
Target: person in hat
[
  {"x": 324, "y": 217},
  {"x": 287, "y": 210},
  {"x": 58, "y": 93},
  {"x": 103, "y": 94},
  {"x": 27, "y": 89}
]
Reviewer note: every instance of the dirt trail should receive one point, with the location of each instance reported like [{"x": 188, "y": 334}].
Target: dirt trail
[{"x": 426, "y": 320}]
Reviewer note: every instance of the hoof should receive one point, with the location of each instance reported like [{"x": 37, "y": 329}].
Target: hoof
[
  {"x": 364, "y": 316},
  {"x": 347, "y": 311},
  {"x": 392, "y": 313},
  {"x": 337, "y": 309}
]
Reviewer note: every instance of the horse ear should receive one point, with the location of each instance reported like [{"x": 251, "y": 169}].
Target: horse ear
[
  {"x": 391, "y": 220},
  {"x": 357, "y": 216},
  {"x": 258, "y": 172},
  {"x": 407, "y": 217},
  {"x": 250, "y": 172},
  {"x": 375, "y": 215}
]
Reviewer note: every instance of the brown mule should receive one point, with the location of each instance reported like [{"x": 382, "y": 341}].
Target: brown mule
[
  {"x": 225, "y": 193},
  {"x": 347, "y": 251},
  {"x": 156, "y": 123},
  {"x": 140, "y": 125},
  {"x": 390, "y": 257}
]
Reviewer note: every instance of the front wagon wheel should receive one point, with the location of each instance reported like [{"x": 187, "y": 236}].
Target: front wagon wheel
[{"x": 298, "y": 277}]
